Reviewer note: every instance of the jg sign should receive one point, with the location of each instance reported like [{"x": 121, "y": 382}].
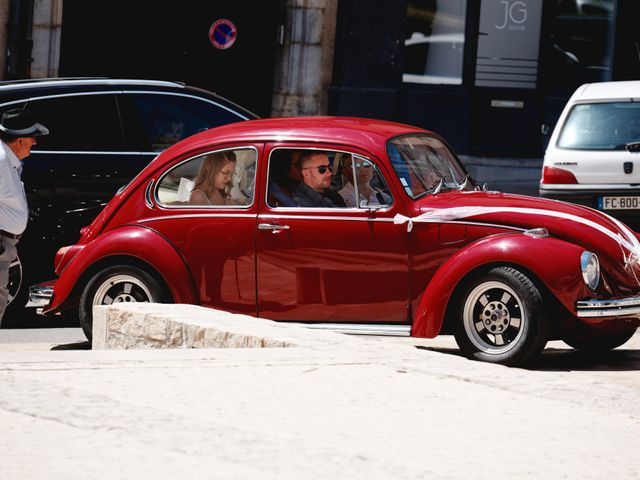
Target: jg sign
[
  {"x": 508, "y": 44},
  {"x": 515, "y": 15}
]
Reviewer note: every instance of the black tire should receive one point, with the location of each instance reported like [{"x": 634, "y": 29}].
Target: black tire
[
  {"x": 114, "y": 285},
  {"x": 500, "y": 318},
  {"x": 599, "y": 342}
]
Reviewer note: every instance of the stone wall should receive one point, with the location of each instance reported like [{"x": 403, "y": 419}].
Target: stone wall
[{"x": 304, "y": 64}]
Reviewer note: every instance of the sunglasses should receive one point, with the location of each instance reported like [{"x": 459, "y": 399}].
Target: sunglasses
[
  {"x": 322, "y": 169},
  {"x": 362, "y": 165}
]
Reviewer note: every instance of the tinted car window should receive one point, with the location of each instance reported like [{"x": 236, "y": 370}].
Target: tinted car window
[
  {"x": 224, "y": 177},
  {"x": 79, "y": 123},
  {"x": 601, "y": 126},
  {"x": 167, "y": 119}
]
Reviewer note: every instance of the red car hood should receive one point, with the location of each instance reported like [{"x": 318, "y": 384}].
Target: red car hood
[{"x": 611, "y": 240}]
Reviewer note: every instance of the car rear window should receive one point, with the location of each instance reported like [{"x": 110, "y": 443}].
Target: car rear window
[{"x": 601, "y": 126}]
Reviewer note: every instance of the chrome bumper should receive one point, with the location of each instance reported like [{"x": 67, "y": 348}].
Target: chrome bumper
[
  {"x": 621, "y": 307},
  {"x": 39, "y": 297}
]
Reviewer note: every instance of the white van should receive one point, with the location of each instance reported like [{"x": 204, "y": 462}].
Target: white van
[{"x": 593, "y": 157}]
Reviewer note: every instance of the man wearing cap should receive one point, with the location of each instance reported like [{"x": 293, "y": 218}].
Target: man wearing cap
[{"x": 18, "y": 132}]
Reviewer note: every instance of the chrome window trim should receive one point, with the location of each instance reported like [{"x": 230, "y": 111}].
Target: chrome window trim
[
  {"x": 162, "y": 206},
  {"x": 329, "y": 217},
  {"x": 198, "y": 215},
  {"x": 94, "y": 152},
  {"x": 187, "y": 95},
  {"x": 13, "y": 102},
  {"x": 147, "y": 194},
  {"x": 74, "y": 94},
  {"x": 315, "y": 209}
]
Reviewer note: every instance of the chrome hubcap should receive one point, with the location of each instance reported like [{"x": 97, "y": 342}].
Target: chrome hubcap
[
  {"x": 121, "y": 289},
  {"x": 493, "y": 317}
]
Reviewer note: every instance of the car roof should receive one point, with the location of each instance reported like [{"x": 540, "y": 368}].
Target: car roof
[
  {"x": 607, "y": 91},
  {"x": 20, "y": 90},
  {"x": 353, "y": 130},
  {"x": 362, "y": 133}
]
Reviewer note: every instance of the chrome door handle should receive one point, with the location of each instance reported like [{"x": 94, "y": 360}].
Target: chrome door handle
[{"x": 272, "y": 226}]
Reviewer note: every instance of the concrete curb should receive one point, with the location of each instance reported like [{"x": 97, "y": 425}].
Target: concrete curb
[{"x": 153, "y": 325}]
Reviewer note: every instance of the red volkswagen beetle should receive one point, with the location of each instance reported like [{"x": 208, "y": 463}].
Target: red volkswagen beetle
[{"x": 356, "y": 224}]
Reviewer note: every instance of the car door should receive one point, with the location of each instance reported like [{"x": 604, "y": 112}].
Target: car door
[
  {"x": 346, "y": 264},
  {"x": 215, "y": 238}
]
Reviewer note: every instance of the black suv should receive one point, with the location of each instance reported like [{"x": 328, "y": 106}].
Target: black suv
[{"x": 102, "y": 133}]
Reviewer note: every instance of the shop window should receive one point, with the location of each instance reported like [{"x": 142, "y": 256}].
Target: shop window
[
  {"x": 434, "y": 41},
  {"x": 579, "y": 47},
  {"x": 508, "y": 44}
]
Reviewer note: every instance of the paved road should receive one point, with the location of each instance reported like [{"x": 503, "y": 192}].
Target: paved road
[{"x": 383, "y": 408}]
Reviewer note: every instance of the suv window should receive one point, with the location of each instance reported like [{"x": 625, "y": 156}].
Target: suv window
[
  {"x": 220, "y": 178},
  {"x": 79, "y": 123},
  {"x": 168, "y": 118},
  {"x": 601, "y": 126}
]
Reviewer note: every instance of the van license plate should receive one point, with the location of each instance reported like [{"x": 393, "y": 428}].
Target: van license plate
[{"x": 619, "y": 203}]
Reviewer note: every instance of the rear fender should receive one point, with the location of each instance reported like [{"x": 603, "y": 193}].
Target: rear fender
[
  {"x": 141, "y": 245},
  {"x": 554, "y": 262}
]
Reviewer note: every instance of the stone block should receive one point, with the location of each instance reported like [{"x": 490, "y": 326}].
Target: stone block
[{"x": 149, "y": 325}]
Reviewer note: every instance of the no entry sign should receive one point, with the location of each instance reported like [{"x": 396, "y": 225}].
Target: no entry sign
[{"x": 223, "y": 33}]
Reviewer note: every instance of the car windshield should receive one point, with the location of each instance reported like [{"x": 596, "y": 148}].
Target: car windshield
[
  {"x": 601, "y": 126},
  {"x": 424, "y": 165}
]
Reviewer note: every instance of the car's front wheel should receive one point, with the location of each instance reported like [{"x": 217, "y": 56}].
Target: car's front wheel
[
  {"x": 118, "y": 284},
  {"x": 500, "y": 318},
  {"x": 599, "y": 342}
]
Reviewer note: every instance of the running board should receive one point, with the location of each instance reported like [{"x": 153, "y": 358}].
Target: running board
[{"x": 361, "y": 329}]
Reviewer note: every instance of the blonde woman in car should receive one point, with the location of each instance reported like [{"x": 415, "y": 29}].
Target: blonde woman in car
[{"x": 213, "y": 183}]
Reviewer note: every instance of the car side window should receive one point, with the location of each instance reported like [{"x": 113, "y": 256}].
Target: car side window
[
  {"x": 168, "y": 118},
  {"x": 79, "y": 123},
  {"x": 372, "y": 190},
  {"x": 306, "y": 178},
  {"x": 218, "y": 178}
]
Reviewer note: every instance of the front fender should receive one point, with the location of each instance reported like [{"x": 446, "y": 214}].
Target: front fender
[
  {"x": 138, "y": 242},
  {"x": 555, "y": 262}
]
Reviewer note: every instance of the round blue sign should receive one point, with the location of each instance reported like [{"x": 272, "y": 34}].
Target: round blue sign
[{"x": 223, "y": 33}]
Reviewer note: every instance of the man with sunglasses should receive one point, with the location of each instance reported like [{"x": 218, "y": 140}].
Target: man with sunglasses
[{"x": 314, "y": 189}]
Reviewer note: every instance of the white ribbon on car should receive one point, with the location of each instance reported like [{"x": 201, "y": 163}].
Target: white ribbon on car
[{"x": 629, "y": 243}]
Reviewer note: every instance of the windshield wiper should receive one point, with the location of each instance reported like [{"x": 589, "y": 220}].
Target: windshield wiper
[
  {"x": 438, "y": 187},
  {"x": 463, "y": 183},
  {"x": 632, "y": 147}
]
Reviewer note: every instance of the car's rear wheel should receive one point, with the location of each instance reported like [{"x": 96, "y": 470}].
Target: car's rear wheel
[
  {"x": 118, "y": 284},
  {"x": 500, "y": 318},
  {"x": 598, "y": 342}
]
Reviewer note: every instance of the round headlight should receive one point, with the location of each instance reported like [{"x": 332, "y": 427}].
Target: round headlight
[{"x": 590, "y": 267}]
